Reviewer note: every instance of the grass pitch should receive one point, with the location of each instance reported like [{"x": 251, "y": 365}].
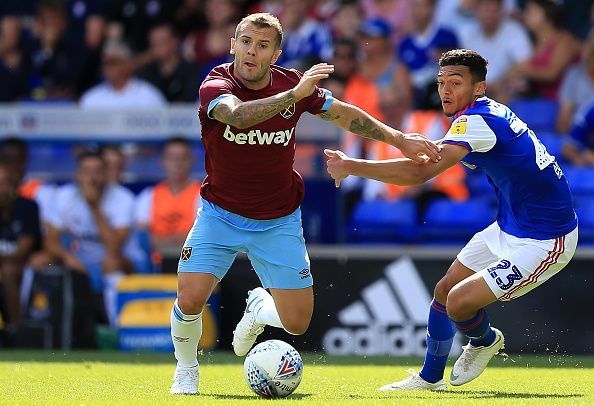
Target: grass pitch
[{"x": 119, "y": 378}]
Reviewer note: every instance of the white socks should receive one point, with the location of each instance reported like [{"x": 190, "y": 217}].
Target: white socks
[
  {"x": 267, "y": 314},
  {"x": 186, "y": 330}
]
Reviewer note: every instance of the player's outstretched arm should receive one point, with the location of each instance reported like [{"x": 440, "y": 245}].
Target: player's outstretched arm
[
  {"x": 401, "y": 171},
  {"x": 240, "y": 114},
  {"x": 358, "y": 121}
]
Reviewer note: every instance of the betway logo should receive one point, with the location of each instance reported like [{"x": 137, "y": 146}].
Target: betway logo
[
  {"x": 258, "y": 137},
  {"x": 391, "y": 318}
]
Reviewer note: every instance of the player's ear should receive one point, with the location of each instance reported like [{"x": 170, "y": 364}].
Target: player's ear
[
  {"x": 232, "y": 48},
  {"x": 276, "y": 55},
  {"x": 480, "y": 89}
]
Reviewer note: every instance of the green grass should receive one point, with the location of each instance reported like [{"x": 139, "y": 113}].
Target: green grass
[{"x": 119, "y": 378}]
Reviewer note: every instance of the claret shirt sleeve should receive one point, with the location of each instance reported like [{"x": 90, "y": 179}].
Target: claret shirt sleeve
[
  {"x": 212, "y": 92},
  {"x": 472, "y": 132}
]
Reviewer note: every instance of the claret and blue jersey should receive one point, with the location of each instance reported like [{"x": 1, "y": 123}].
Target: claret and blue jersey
[{"x": 533, "y": 194}]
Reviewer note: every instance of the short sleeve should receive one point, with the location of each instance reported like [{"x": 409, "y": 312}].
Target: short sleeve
[
  {"x": 567, "y": 89},
  {"x": 472, "y": 132},
  {"x": 119, "y": 207},
  {"x": 319, "y": 101},
  {"x": 144, "y": 204},
  {"x": 212, "y": 92},
  {"x": 62, "y": 197}
]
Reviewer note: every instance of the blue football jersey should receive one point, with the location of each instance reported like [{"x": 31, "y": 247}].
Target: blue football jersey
[{"x": 533, "y": 194}]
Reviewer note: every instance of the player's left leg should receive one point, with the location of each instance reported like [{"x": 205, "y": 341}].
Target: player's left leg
[
  {"x": 523, "y": 265},
  {"x": 466, "y": 307},
  {"x": 280, "y": 259}
]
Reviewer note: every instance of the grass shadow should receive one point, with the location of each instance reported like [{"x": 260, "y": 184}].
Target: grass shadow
[
  {"x": 493, "y": 394},
  {"x": 294, "y": 396}
]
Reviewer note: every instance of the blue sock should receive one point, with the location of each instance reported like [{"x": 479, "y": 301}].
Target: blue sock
[
  {"x": 440, "y": 335},
  {"x": 478, "y": 329}
]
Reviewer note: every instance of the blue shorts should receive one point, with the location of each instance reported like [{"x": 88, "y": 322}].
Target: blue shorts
[{"x": 276, "y": 248}]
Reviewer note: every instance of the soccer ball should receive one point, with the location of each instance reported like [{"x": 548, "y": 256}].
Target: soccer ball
[{"x": 273, "y": 369}]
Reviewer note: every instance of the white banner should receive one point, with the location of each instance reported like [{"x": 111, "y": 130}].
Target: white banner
[{"x": 71, "y": 123}]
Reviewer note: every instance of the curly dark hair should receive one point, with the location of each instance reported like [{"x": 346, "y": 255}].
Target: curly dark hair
[{"x": 466, "y": 57}]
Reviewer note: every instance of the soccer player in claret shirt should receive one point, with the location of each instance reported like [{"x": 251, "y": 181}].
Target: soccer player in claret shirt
[
  {"x": 251, "y": 195},
  {"x": 534, "y": 237}
]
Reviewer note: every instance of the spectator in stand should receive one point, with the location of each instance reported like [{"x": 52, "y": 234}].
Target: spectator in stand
[
  {"x": 115, "y": 162},
  {"x": 96, "y": 217},
  {"x": 19, "y": 234},
  {"x": 59, "y": 61},
  {"x": 325, "y": 10},
  {"x": 129, "y": 21},
  {"x": 177, "y": 79},
  {"x": 577, "y": 88},
  {"x": 189, "y": 17},
  {"x": 503, "y": 42},
  {"x": 344, "y": 59},
  {"x": 209, "y": 46},
  {"x": 15, "y": 66},
  {"x": 306, "y": 41},
  {"x": 395, "y": 12},
  {"x": 349, "y": 15},
  {"x": 14, "y": 154},
  {"x": 579, "y": 148},
  {"x": 554, "y": 51},
  {"x": 431, "y": 123},
  {"x": 120, "y": 88},
  {"x": 167, "y": 210},
  {"x": 456, "y": 14},
  {"x": 421, "y": 49},
  {"x": 378, "y": 69}
]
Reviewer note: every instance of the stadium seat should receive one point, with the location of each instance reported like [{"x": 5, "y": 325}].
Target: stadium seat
[
  {"x": 447, "y": 221},
  {"x": 581, "y": 181},
  {"x": 539, "y": 114},
  {"x": 584, "y": 208},
  {"x": 383, "y": 221}
]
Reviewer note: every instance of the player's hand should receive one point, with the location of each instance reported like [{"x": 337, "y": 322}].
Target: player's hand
[
  {"x": 310, "y": 78},
  {"x": 419, "y": 148},
  {"x": 336, "y": 165}
]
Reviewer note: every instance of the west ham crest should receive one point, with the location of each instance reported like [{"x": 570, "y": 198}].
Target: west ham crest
[
  {"x": 288, "y": 112},
  {"x": 186, "y": 253}
]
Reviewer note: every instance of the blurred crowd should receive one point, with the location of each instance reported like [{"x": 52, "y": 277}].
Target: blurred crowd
[
  {"x": 148, "y": 53},
  {"x": 93, "y": 226}
]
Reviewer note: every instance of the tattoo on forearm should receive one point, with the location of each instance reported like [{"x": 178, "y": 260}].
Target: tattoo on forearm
[
  {"x": 257, "y": 111},
  {"x": 326, "y": 115},
  {"x": 367, "y": 128}
]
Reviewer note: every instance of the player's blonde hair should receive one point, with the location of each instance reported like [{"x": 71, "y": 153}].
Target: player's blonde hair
[{"x": 263, "y": 20}]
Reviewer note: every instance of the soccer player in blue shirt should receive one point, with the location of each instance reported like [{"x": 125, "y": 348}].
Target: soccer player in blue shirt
[{"x": 533, "y": 238}]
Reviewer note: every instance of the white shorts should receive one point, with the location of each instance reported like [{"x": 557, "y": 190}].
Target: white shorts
[{"x": 514, "y": 266}]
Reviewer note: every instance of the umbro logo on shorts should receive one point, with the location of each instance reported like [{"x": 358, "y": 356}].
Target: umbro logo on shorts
[
  {"x": 186, "y": 253},
  {"x": 305, "y": 273}
]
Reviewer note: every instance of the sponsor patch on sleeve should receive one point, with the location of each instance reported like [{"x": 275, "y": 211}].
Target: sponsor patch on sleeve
[{"x": 459, "y": 126}]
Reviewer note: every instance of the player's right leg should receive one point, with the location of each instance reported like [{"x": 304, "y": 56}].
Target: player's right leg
[
  {"x": 209, "y": 251},
  {"x": 440, "y": 329},
  {"x": 194, "y": 289}
]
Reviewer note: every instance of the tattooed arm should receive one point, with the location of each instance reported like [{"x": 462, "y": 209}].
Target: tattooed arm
[
  {"x": 241, "y": 114},
  {"x": 356, "y": 120}
]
